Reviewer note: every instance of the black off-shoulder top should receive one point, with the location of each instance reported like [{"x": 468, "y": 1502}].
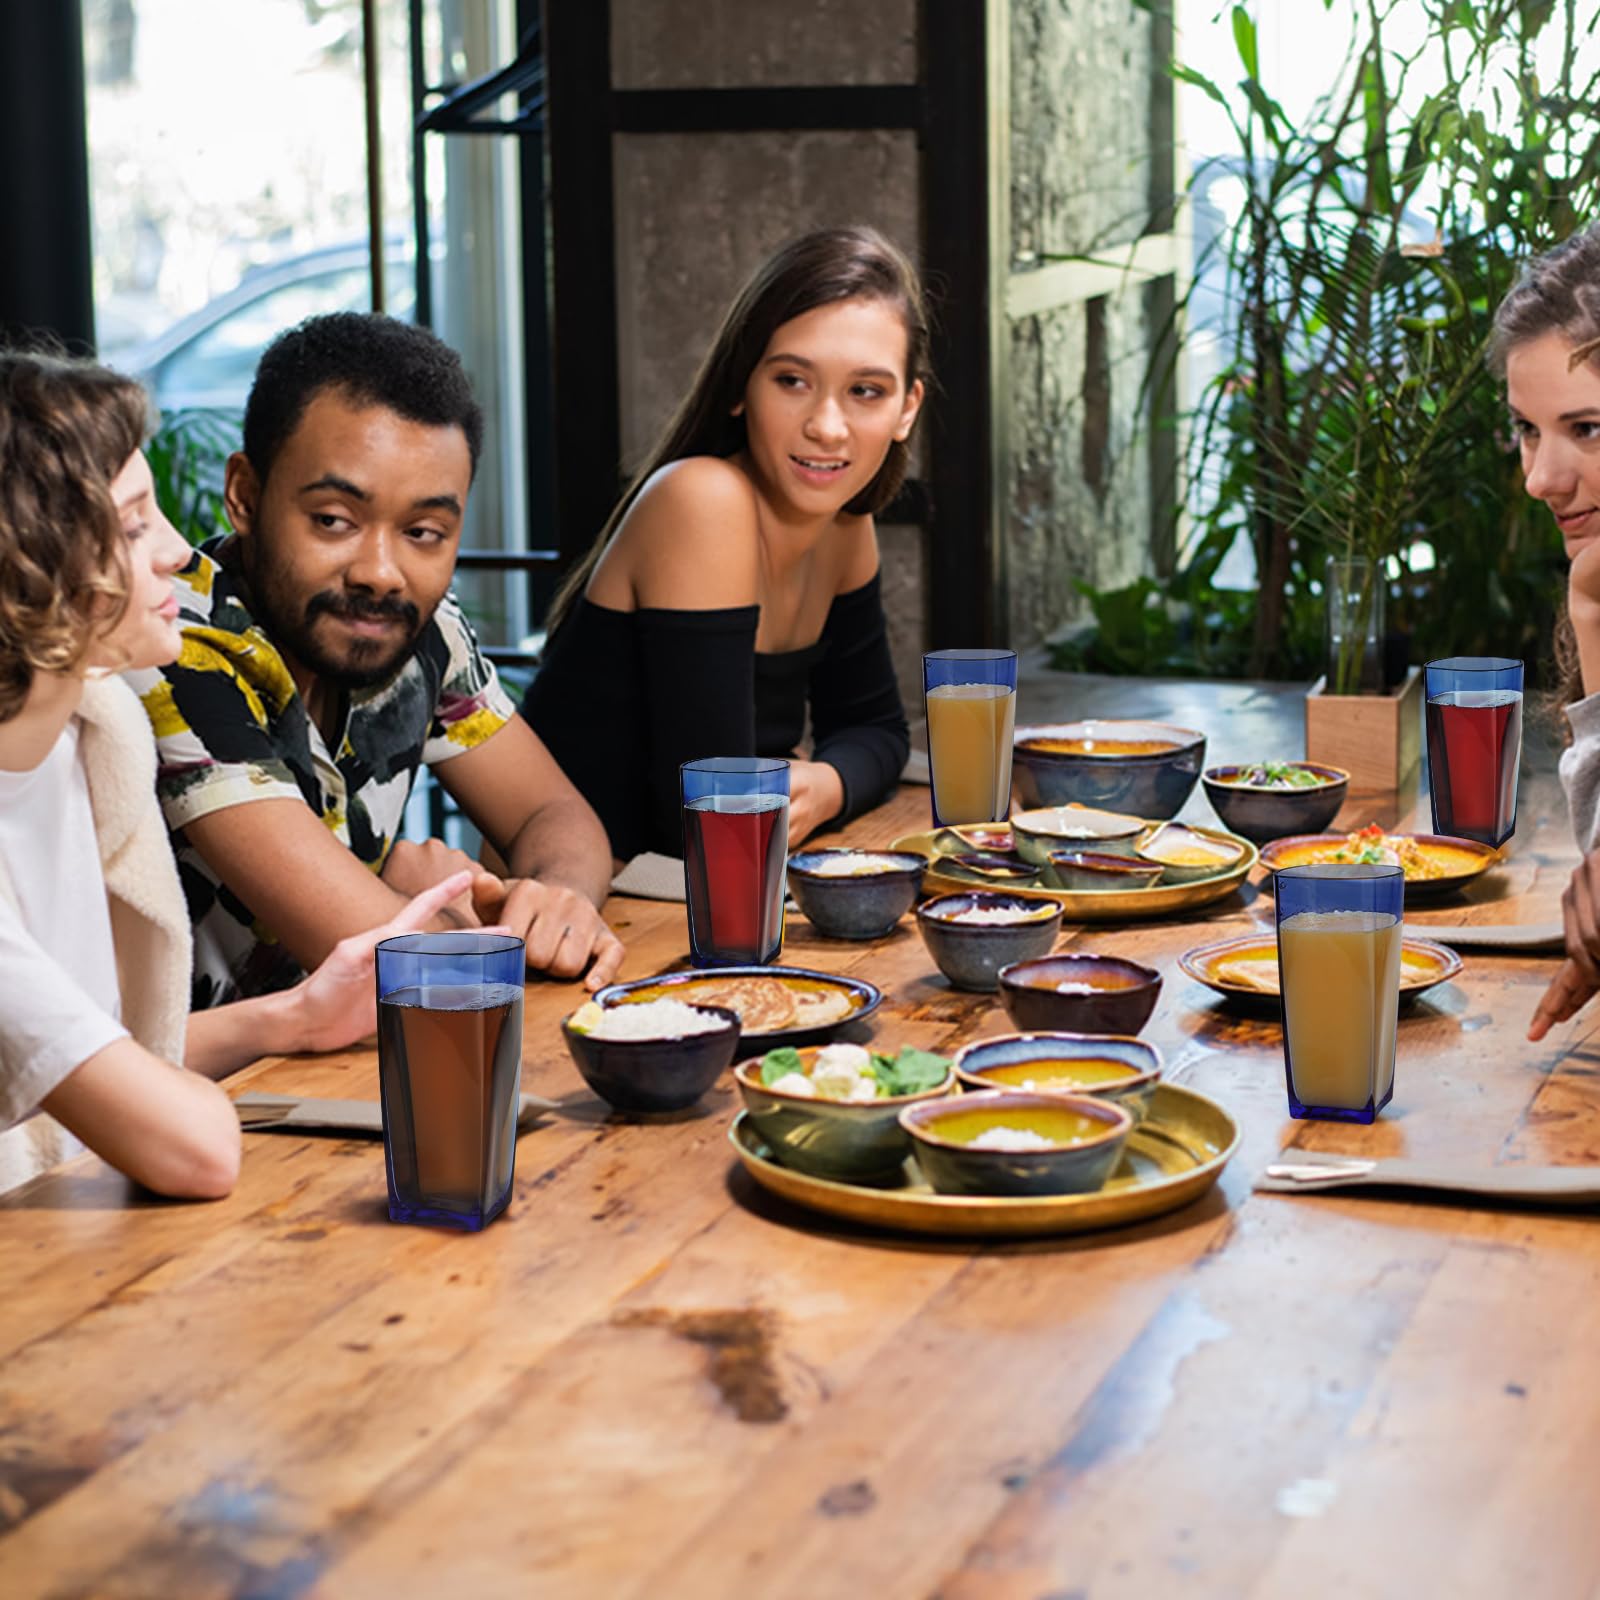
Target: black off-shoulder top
[{"x": 623, "y": 698}]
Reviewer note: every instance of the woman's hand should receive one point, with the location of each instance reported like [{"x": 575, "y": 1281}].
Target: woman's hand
[
  {"x": 1579, "y": 978},
  {"x": 816, "y": 797},
  {"x": 1567, "y": 995},
  {"x": 414, "y": 867},
  {"x": 338, "y": 1003},
  {"x": 1583, "y": 610}
]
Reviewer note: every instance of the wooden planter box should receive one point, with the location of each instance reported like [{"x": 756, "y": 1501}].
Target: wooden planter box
[{"x": 1376, "y": 738}]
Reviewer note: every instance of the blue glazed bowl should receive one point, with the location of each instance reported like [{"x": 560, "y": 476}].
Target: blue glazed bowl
[
  {"x": 1122, "y": 1070},
  {"x": 1089, "y": 1135},
  {"x": 1146, "y": 768},
  {"x": 1261, "y": 814},
  {"x": 971, "y": 954},
  {"x": 861, "y": 906},
  {"x": 655, "y": 1074},
  {"x": 1079, "y": 992},
  {"x": 1075, "y": 870}
]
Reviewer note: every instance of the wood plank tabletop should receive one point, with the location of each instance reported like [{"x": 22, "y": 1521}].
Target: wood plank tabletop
[{"x": 649, "y": 1378}]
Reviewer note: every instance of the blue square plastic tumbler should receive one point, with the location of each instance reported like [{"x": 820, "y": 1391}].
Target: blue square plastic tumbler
[
  {"x": 450, "y": 1073},
  {"x": 1474, "y": 745},
  {"x": 1339, "y": 932},
  {"x": 971, "y": 701}
]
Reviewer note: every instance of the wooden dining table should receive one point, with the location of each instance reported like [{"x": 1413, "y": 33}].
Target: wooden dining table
[{"x": 650, "y": 1378}]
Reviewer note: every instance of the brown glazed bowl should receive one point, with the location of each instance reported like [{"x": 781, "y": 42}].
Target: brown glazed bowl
[{"x": 1102, "y": 994}]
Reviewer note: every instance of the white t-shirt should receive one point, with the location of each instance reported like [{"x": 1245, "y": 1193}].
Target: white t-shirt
[{"x": 58, "y": 973}]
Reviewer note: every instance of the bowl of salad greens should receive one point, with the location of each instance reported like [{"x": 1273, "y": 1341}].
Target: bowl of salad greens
[
  {"x": 1266, "y": 800},
  {"x": 833, "y": 1110}
]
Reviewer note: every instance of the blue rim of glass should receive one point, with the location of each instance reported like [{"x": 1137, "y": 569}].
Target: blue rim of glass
[
  {"x": 1484, "y": 664},
  {"x": 737, "y": 766},
  {"x": 450, "y": 942}
]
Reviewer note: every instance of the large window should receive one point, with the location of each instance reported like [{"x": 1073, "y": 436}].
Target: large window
[{"x": 230, "y": 191}]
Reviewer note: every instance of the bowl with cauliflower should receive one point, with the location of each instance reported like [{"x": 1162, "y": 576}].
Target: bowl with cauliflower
[{"x": 832, "y": 1110}]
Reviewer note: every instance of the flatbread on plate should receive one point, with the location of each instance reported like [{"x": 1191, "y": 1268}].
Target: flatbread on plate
[
  {"x": 765, "y": 1005},
  {"x": 816, "y": 1008}
]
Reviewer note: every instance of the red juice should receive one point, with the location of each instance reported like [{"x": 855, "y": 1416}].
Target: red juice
[
  {"x": 734, "y": 852},
  {"x": 1474, "y": 742}
]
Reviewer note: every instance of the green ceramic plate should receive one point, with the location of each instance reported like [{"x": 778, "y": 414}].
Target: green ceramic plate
[
  {"x": 1172, "y": 1157},
  {"x": 1100, "y": 905}
]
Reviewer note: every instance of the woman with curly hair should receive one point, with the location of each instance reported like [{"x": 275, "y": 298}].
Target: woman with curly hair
[{"x": 94, "y": 933}]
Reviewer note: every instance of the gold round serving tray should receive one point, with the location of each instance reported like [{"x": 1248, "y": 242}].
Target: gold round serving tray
[
  {"x": 1172, "y": 1157},
  {"x": 1098, "y": 905}
]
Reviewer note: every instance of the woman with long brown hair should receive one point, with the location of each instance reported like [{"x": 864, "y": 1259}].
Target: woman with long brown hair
[
  {"x": 1547, "y": 346},
  {"x": 735, "y": 586}
]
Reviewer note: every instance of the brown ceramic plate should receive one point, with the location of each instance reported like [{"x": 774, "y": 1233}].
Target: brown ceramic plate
[
  {"x": 778, "y": 1005},
  {"x": 1221, "y": 966},
  {"x": 1453, "y": 863},
  {"x": 1171, "y": 1158},
  {"x": 1100, "y": 905}
]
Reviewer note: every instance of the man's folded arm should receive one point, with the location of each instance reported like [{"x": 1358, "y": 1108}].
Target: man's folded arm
[
  {"x": 524, "y": 805},
  {"x": 305, "y": 888}
]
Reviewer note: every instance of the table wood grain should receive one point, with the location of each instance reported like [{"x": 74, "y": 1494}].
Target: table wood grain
[{"x": 651, "y": 1379}]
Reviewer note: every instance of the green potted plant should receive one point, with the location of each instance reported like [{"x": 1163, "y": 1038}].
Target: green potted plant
[{"x": 1352, "y": 420}]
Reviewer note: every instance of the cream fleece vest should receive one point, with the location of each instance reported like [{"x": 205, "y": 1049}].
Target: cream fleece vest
[{"x": 149, "y": 921}]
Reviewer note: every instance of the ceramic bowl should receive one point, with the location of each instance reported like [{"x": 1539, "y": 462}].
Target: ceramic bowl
[
  {"x": 864, "y": 906},
  {"x": 1091, "y": 1134},
  {"x": 971, "y": 954},
  {"x": 1260, "y": 814},
  {"x": 1185, "y": 854},
  {"x": 1148, "y": 768},
  {"x": 1103, "y": 1067},
  {"x": 1102, "y": 994},
  {"x": 655, "y": 1074},
  {"x": 1073, "y": 870},
  {"x": 850, "y": 1142},
  {"x": 1111, "y": 833},
  {"x": 993, "y": 872}
]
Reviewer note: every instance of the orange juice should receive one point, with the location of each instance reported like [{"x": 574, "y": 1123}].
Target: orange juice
[
  {"x": 969, "y": 750},
  {"x": 1341, "y": 989}
]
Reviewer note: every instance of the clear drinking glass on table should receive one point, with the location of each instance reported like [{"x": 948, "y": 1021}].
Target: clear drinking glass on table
[
  {"x": 971, "y": 698},
  {"x": 1339, "y": 932},
  {"x": 735, "y": 845},
  {"x": 450, "y": 1072},
  {"x": 1474, "y": 745}
]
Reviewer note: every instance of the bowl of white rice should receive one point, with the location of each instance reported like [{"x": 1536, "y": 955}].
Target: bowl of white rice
[
  {"x": 971, "y": 936},
  {"x": 657, "y": 1055},
  {"x": 855, "y": 894},
  {"x": 1018, "y": 1142}
]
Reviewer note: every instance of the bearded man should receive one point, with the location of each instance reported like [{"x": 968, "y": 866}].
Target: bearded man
[{"x": 325, "y": 660}]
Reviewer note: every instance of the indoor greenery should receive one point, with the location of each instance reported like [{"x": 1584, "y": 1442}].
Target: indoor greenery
[
  {"x": 1353, "y": 414},
  {"x": 187, "y": 454}
]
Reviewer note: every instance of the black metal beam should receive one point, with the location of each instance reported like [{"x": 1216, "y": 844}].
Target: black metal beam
[
  {"x": 47, "y": 265},
  {"x": 587, "y": 423},
  {"x": 962, "y": 588},
  {"x": 843, "y": 106},
  {"x": 506, "y": 560}
]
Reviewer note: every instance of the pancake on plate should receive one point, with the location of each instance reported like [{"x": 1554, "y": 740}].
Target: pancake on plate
[
  {"x": 765, "y": 1005},
  {"x": 1256, "y": 973},
  {"x": 1259, "y": 974},
  {"x": 816, "y": 1008}
]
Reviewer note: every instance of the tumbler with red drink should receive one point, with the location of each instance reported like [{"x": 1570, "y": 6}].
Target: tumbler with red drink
[
  {"x": 735, "y": 844},
  {"x": 1474, "y": 745}
]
